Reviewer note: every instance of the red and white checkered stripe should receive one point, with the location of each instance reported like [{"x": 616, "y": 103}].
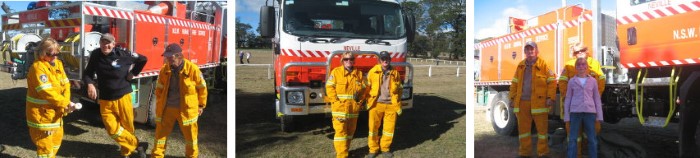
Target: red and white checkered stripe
[
  {"x": 150, "y": 18},
  {"x": 97, "y": 11},
  {"x": 201, "y": 25},
  {"x": 157, "y": 72},
  {"x": 578, "y": 21},
  {"x": 661, "y": 63},
  {"x": 178, "y": 22},
  {"x": 533, "y": 31},
  {"x": 492, "y": 83},
  {"x": 173, "y": 21},
  {"x": 325, "y": 54},
  {"x": 660, "y": 12}
]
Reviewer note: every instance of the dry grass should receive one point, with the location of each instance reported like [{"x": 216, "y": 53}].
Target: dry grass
[
  {"x": 85, "y": 135},
  {"x": 435, "y": 127}
]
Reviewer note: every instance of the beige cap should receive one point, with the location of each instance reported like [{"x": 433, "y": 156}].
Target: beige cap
[
  {"x": 579, "y": 47},
  {"x": 108, "y": 37}
]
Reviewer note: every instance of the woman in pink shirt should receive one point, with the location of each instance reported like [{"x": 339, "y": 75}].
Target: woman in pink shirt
[{"x": 582, "y": 105}]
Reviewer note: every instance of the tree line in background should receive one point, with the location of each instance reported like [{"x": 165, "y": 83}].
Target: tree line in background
[{"x": 440, "y": 30}]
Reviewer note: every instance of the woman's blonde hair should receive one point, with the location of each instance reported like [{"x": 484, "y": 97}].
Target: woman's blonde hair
[
  {"x": 46, "y": 46},
  {"x": 346, "y": 54}
]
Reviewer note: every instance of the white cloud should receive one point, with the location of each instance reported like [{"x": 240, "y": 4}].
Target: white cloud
[
  {"x": 500, "y": 26},
  {"x": 251, "y": 5}
]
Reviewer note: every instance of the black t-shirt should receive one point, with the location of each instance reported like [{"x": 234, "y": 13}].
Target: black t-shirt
[{"x": 112, "y": 71}]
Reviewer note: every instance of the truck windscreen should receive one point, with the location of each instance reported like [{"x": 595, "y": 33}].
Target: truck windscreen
[{"x": 343, "y": 18}]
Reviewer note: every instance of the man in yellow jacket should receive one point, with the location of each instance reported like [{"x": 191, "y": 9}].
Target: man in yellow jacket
[
  {"x": 345, "y": 88},
  {"x": 182, "y": 96},
  {"x": 532, "y": 93},
  {"x": 384, "y": 104},
  {"x": 580, "y": 51},
  {"x": 48, "y": 99}
]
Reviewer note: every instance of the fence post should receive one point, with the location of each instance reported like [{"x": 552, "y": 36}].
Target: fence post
[
  {"x": 457, "y": 71},
  {"x": 269, "y": 76},
  {"x": 430, "y": 71}
]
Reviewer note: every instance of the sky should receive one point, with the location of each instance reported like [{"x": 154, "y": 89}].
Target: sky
[
  {"x": 491, "y": 16},
  {"x": 248, "y": 11}
]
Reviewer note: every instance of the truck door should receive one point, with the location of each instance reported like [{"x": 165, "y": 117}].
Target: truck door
[{"x": 150, "y": 37}]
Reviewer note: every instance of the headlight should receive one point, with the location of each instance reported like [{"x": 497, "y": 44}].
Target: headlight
[
  {"x": 406, "y": 94},
  {"x": 295, "y": 97}
]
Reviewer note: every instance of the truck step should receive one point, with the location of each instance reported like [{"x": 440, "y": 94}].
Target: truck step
[
  {"x": 653, "y": 121},
  {"x": 661, "y": 81}
]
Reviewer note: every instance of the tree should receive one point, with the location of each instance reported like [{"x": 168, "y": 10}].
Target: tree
[
  {"x": 420, "y": 44},
  {"x": 243, "y": 33},
  {"x": 446, "y": 20}
]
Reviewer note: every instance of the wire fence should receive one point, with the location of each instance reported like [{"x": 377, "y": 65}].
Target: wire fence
[{"x": 436, "y": 61}]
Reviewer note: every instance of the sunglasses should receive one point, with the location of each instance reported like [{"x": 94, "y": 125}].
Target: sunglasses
[
  {"x": 348, "y": 59},
  {"x": 51, "y": 54}
]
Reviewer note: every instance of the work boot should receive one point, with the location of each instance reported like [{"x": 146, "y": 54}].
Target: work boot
[
  {"x": 140, "y": 151},
  {"x": 387, "y": 155},
  {"x": 371, "y": 155}
]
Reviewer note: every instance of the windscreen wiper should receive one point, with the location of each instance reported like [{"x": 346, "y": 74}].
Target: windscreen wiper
[
  {"x": 313, "y": 39},
  {"x": 377, "y": 41}
]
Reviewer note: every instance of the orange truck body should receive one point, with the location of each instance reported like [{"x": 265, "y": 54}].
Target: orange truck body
[
  {"x": 501, "y": 55},
  {"x": 659, "y": 33}
]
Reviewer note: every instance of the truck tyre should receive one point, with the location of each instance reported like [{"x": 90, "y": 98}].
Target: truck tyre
[
  {"x": 287, "y": 123},
  {"x": 689, "y": 117},
  {"x": 152, "y": 112},
  {"x": 502, "y": 117}
]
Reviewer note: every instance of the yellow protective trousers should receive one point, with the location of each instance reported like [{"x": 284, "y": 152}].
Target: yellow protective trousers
[
  {"x": 347, "y": 110},
  {"x": 118, "y": 117},
  {"x": 377, "y": 114},
  {"x": 165, "y": 127},
  {"x": 46, "y": 145},
  {"x": 525, "y": 118},
  {"x": 581, "y": 135}
]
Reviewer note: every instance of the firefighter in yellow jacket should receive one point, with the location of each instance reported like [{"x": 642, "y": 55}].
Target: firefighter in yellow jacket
[
  {"x": 532, "y": 94},
  {"x": 580, "y": 51},
  {"x": 384, "y": 105},
  {"x": 182, "y": 96},
  {"x": 48, "y": 99},
  {"x": 345, "y": 90}
]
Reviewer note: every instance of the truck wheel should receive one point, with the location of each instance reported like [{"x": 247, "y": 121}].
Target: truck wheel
[
  {"x": 688, "y": 131},
  {"x": 502, "y": 117},
  {"x": 287, "y": 123},
  {"x": 689, "y": 120},
  {"x": 152, "y": 113}
]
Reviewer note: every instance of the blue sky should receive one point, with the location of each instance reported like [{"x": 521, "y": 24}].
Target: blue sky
[
  {"x": 491, "y": 16},
  {"x": 248, "y": 11}
]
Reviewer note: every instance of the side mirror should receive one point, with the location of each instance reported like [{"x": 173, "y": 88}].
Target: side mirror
[
  {"x": 410, "y": 25},
  {"x": 267, "y": 21}
]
